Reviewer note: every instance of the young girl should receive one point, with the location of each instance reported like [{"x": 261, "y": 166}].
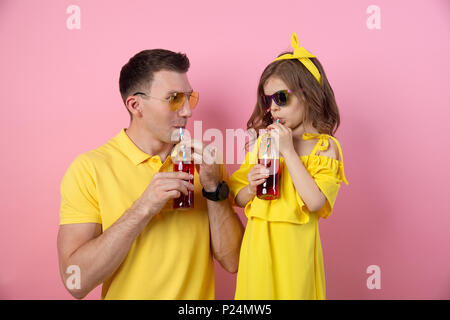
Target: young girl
[{"x": 281, "y": 254}]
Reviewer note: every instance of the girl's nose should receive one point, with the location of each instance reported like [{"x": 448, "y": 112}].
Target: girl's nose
[{"x": 274, "y": 106}]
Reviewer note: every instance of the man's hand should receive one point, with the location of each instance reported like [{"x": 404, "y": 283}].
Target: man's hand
[
  {"x": 79, "y": 243},
  {"x": 163, "y": 187},
  {"x": 206, "y": 160}
]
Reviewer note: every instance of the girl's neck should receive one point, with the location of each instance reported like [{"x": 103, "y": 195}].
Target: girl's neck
[{"x": 298, "y": 132}]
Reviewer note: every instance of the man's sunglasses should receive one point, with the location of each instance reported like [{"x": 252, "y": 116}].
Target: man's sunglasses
[
  {"x": 281, "y": 98},
  {"x": 177, "y": 99}
]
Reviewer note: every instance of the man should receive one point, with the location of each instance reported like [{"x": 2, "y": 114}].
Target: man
[{"x": 117, "y": 224}]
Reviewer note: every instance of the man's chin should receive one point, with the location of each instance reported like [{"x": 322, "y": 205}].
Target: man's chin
[{"x": 172, "y": 137}]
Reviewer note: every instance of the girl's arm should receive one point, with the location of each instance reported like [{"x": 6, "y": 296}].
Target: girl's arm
[
  {"x": 305, "y": 185},
  {"x": 244, "y": 196}
]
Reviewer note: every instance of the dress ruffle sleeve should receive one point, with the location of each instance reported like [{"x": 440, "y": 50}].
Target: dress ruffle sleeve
[{"x": 328, "y": 175}]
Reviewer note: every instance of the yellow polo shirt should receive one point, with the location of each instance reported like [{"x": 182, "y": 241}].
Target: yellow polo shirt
[{"x": 171, "y": 258}]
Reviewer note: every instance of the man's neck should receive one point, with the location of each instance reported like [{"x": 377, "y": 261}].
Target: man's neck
[{"x": 147, "y": 142}]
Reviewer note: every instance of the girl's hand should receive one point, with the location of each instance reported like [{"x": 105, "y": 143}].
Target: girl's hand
[
  {"x": 284, "y": 133},
  {"x": 257, "y": 175}
]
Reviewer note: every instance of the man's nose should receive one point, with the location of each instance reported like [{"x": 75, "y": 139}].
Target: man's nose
[{"x": 185, "y": 111}]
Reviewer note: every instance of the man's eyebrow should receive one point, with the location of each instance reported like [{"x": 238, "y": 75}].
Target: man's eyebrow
[{"x": 177, "y": 91}]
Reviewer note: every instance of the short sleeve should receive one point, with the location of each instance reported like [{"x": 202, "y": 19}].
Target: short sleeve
[
  {"x": 328, "y": 179},
  {"x": 239, "y": 179},
  {"x": 79, "y": 202}
]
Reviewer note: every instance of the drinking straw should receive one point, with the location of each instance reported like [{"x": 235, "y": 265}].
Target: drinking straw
[
  {"x": 268, "y": 142},
  {"x": 183, "y": 148}
]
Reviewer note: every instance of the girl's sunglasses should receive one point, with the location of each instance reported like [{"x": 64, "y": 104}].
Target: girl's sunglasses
[
  {"x": 280, "y": 98},
  {"x": 177, "y": 99}
]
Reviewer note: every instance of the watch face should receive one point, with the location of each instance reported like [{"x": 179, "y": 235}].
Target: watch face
[{"x": 223, "y": 191}]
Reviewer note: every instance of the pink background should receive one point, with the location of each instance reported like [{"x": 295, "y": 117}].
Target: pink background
[{"x": 60, "y": 97}]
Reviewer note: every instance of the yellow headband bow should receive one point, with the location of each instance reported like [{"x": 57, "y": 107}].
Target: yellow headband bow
[{"x": 303, "y": 56}]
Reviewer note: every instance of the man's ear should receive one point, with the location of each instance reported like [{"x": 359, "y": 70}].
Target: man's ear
[{"x": 134, "y": 105}]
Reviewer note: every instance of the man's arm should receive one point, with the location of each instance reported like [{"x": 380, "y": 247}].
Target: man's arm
[
  {"x": 225, "y": 227},
  {"x": 226, "y": 233},
  {"x": 98, "y": 255}
]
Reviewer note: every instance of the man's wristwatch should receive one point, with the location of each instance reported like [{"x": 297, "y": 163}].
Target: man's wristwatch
[{"x": 220, "y": 194}]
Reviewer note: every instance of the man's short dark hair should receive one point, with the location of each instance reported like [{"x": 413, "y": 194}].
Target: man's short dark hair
[{"x": 140, "y": 69}]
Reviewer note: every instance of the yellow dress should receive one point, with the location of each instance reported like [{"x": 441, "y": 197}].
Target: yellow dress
[{"x": 281, "y": 253}]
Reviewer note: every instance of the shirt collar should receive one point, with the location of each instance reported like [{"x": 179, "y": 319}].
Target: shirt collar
[{"x": 131, "y": 150}]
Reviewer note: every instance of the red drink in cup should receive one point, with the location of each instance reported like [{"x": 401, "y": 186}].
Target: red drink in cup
[
  {"x": 184, "y": 201},
  {"x": 268, "y": 157},
  {"x": 181, "y": 162},
  {"x": 270, "y": 189}
]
